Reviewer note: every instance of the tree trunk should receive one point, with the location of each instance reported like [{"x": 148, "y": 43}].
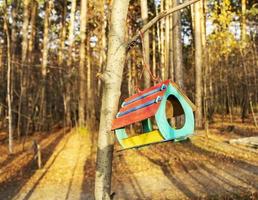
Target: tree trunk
[
  {"x": 167, "y": 39},
  {"x": 14, "y": 38},
  {"x": 82, "y": 93},
  {"x": 146, "y": 43},
  {"x": 203, "y": 22},
  {"x": 104, "y": 31},
  {"x": 71, "y": 33},
  {"x": 198, "y": 64},
  {"x": 243, "y": 27},
  {"x": 62, "y": 35},
  {"x": 34, "y": 11},
  {"x": 68, "y": 87},
  {"x": 89, "y": 87},
  {"x": 112, "y": 78},
  {"x": 162, "y": 45},
  {"x": 22, "y": 100},
  {"x": 43, "y": 103},
  {"x": 9, "y": 99},
  {"x": 14, "y": 33},
  {"x": 177, "y": 46},
  {"x": 154, "y": 64},
  {"x": 171, "y": 45}
]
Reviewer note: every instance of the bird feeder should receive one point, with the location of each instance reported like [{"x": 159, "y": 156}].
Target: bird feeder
[{"x": 152, "y": 102}]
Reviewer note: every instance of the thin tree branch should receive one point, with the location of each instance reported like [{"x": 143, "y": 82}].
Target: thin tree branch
[{"x": 159, "y": 17}]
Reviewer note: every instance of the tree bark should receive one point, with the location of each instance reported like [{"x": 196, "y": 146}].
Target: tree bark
[
  {"x": 82, "y": 93},
  {"x": 71, "y": 33},
  {"x": 62, "y": 35},
  {"x": 243, "y": 27},
  {"x": 203, "y": 22},
  {"x": 171, "y": 45},
  {"x": 34, "y": 11},
  {"x": 22, "y": 100},
  {"x": 146, "y": 43},
  {"x": 9, "y": 98},
  {"x": 25, "y": 29},
  {"x": 154, "y": 64},
  {"x": 177, "y": 46},
  {"x": 68, "y": 86},
  {"x": 104, "y": 31},
  {"x": 167, "y": 41},
  {"x": 162, "y": 44},
  {"x": 112, "y": 78},
  {"x": 43, "y": 103},
  {"x": 198, "y": 65}
]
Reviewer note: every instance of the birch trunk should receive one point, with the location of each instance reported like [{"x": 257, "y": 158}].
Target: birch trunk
[
  {"x": 112, "y": 78},
  {"x": 14, "y": 29},
  {"x": 82, "y": 93},
  {"x": 146, "y": 43},
  {"x": 9, "y": 99}
]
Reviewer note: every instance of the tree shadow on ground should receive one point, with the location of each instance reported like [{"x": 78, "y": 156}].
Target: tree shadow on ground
[
  {"x": 11, "y": 187},
  {"x": 87, "y": 188},
  {"x": 128, "y": 177},
  {"x": 240, "y": 131},
  {"x": 237, "y": 169},
  {"x": 208, "y": 176},
  {"x": 223, "y": 158},
  {"x": 170, "y": 174}
]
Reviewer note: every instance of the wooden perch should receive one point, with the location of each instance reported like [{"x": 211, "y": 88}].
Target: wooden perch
[
  {"x": 37, "y": 153},
  {"x": 159, "y": 17}
]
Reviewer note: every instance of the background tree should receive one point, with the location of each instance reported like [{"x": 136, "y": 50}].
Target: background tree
[
  {"x": 198, "y": 64},
  {"x": 146, "y": 42},
  {"x": 83, "y": 21}
]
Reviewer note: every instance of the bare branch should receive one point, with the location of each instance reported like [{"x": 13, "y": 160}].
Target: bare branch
[{"x": 159, "y": 17}]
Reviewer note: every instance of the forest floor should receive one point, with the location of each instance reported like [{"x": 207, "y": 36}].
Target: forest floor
[{"x": 206, "y": 167}]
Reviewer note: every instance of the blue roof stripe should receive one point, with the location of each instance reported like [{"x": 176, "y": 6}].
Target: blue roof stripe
[
  {"x": 120, "y": 114},
  {"x": 145, "y": 95}
]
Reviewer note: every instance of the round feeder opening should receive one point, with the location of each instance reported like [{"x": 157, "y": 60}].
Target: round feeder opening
[{"x": 175, "y": 112}]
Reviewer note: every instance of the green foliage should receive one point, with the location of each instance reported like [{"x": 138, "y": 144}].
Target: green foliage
[
  {"x": 222, "y": 15},
  {"x": 222, "y": 40},
  {"x": 252, "y": 13}
]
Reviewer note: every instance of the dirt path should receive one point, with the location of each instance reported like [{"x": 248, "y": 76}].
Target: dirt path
[
  {"x": 62, "y": 176},
  {"x": 204, "y": 168}
]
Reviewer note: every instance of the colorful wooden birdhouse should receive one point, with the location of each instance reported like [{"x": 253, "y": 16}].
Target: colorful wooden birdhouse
[{"x": 153, "y": 102}]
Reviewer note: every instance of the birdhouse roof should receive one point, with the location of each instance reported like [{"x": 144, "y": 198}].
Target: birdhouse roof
[{"x": 143, "y": 105}]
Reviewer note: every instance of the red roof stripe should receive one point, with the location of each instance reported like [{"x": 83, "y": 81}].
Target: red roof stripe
[{"x": 135, "y": 116}]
